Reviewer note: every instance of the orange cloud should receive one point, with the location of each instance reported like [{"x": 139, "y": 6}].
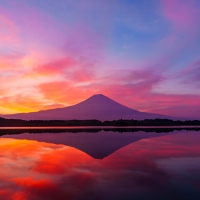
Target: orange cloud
[{"x": 64, "y": 92}]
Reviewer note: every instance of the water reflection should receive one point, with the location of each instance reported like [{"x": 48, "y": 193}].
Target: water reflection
[
  {"x": 98, "y": 145},
  {"x": 149, "y": 167}
]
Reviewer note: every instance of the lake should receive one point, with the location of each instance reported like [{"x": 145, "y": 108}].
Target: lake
[{"x": 100, "y": 164}]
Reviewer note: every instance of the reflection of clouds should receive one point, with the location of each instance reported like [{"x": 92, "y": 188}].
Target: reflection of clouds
[
  {"x": 35, "y": 170},
  {"x": 61, "y": 160}
]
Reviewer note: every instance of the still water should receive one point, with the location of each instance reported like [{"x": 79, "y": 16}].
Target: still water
[{"x": 100, "y": 164}]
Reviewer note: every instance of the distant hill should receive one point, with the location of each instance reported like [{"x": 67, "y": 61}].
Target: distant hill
[{"x": 97, "y": 107}]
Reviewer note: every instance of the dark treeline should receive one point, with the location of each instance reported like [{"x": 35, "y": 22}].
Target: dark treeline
[
  {"x": 147, "y": 122},
  {"x": 92, "y": 130}
]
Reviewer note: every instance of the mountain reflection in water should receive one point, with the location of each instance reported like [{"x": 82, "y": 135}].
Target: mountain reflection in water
[{"x": 139, "y": 165}]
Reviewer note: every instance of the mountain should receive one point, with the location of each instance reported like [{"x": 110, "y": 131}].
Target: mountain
[
  {"x": 97, "y": 145},
  {"x": 96, "y": 107}
]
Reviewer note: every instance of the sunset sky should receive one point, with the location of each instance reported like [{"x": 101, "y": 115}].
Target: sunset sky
[{"x": 144, "y": 54}]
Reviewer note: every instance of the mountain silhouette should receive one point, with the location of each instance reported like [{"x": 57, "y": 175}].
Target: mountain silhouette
[
  {"x": 97, "y": 107},
  {"x": 97, "y": 145}
]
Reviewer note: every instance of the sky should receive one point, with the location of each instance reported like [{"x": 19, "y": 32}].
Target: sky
[{"x": 144, "y": 54}]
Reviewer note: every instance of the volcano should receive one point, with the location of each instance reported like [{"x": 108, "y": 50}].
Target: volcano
[{"x": 97, "y": 107}]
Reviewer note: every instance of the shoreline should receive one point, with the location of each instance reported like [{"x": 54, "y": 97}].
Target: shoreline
[{"x": 94, "y": 127}]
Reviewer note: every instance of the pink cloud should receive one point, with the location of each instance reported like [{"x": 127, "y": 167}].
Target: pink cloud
[
  {"x": 167, "y": 104},
  {"x": 85, "y": 45},
  {"x": 8, "y": 30},
  {"x": 56, "y": 67},
  {"x": 184, "y": 14},
  {"x": 69, "y": 68},
  {"x": 191, "y": 74}
]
